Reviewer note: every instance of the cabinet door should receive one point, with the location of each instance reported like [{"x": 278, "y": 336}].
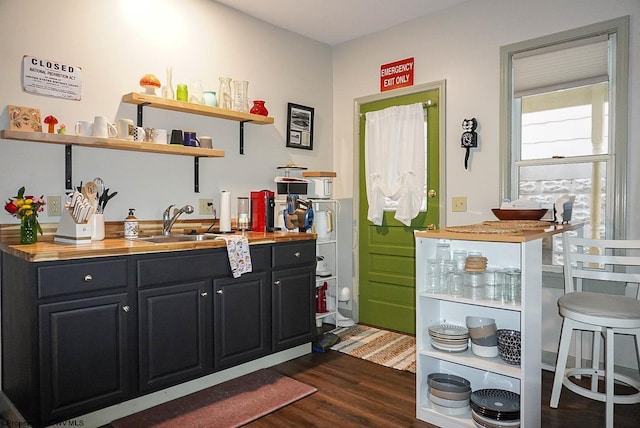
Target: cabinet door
[
  {"x": 84, "y": 348},
  {"x": 242, "y": 312},
  {"x": 174, "y": 330},
  {"x": 293, "y": 298}
]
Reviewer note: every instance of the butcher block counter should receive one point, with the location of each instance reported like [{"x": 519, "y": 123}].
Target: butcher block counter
[
  {"x": 523, "y": 236},
  {"x": 47, "y": 250}
]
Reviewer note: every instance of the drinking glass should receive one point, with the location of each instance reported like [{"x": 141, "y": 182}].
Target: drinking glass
[
  {"x": 443, "y": 251},
  {"x": 460, "y": 257},
  {"x": 512, "y": 283},
  {"x": 434, "y": 276},
  {"x": 182, "y": 93},
  {"x": 494, "y": 278}
]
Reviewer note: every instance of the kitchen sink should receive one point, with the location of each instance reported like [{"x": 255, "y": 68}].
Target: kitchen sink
[{"x": 161, "y": 239}]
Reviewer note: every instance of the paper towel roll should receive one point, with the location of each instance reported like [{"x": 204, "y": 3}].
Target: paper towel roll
[{"x": 225, "y": 211}]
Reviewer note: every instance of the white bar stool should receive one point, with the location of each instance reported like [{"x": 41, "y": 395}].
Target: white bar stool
[{"x": 603, "y": 314}]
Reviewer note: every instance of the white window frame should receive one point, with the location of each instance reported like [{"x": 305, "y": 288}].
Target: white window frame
[{"x": 618, "y": 117}]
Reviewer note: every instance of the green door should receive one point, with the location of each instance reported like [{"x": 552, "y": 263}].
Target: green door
[{"x": 387, "y": 252}]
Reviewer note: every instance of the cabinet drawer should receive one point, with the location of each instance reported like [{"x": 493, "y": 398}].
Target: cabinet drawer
[
  {"x": 180, "y": 267},
  {"x": 82, "y": 277},
  {"x": 294, "y": 254}
]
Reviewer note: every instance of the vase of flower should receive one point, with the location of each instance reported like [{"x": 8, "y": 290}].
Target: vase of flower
[
  {"x": 26, "y": 208},
  {"x": 29, "y": 230}
]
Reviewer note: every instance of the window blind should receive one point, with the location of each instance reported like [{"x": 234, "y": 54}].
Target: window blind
[{"x": 567, "y": 65}]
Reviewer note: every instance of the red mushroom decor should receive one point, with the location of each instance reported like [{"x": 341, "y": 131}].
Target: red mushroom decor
[
  {"x": 150, "y": 82},
  {"x": 51, "y": 121}
]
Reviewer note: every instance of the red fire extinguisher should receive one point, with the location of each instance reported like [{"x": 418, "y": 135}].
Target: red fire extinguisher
[{"x": 321, "y": 298}]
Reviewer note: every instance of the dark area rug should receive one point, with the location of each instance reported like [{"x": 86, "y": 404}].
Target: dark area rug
[{"x": 229, "y": 404}]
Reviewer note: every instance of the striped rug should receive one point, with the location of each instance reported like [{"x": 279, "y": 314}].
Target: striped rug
[{"x": 382, "y": 347}]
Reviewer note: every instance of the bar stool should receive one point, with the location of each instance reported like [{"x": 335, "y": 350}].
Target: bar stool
[{"x": 603, "y": 314}]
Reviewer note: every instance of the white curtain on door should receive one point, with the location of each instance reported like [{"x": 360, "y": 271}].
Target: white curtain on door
[{"x": 394, "y": 146}]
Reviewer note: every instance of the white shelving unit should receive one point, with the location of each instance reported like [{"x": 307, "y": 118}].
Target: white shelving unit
[
  {"x": 523, "y": 251},
  {"x": 328, "y": 249}
]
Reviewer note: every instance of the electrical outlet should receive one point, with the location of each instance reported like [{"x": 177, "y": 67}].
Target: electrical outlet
[
  {"x": 54, "y": 207},
  {"x": 205, "y": 206},
  {"x": 459, "y": 204}
]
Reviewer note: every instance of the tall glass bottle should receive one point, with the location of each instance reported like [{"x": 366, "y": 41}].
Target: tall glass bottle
[
  {"x": 224, "y": 93},
  {"x": 167, "y": 89}
]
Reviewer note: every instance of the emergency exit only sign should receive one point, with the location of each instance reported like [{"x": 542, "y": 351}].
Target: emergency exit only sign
[{"x": 396, "y": 74}]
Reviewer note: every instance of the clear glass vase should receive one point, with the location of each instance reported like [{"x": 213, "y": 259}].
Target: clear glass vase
[
  {"x": 167, "y": 89},
  {"x": 224, "y": 93},
  {"x": 241, "y": 95},
  {"x": 29, "y": 230}
]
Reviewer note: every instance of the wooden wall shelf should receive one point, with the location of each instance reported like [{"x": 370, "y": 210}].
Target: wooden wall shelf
[
  {"x": 142, "y": 100},
  {"x": 111, "y": 143}
]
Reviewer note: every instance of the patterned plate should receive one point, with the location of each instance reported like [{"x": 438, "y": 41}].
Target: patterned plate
[{"x": 497, "y": 404}]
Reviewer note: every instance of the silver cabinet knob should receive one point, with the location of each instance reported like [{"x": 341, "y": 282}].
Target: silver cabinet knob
[
  {"x": 219, "y": 291},
  {"x": 205, "y": 294},
  {"x": 277, "y": 282},
  {"x": 87, "y": 278},
  {"x": 297, "y": 254},
  {"x": 126, "y": 308}
]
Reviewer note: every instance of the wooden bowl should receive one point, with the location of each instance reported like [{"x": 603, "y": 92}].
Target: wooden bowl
[{"x": 519, "y": 214}]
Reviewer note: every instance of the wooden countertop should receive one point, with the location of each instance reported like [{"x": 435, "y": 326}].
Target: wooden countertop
[
  {"x": 50, "y": 251},
  {"x": 527, "y": 235}
]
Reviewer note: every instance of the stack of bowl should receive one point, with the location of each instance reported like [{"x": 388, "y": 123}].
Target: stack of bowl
[
  {"x": 449, "y": 394},
  {"x": 495, "y": 408},
  {"x": 482, "y": 330},
  {"x": 509, "y": 346}
]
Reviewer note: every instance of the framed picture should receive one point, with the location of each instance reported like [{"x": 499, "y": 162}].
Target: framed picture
[{"x": 300, "y": 127}]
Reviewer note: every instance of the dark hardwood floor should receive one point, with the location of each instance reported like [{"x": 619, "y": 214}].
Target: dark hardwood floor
[{"x": 357, "y": 393}]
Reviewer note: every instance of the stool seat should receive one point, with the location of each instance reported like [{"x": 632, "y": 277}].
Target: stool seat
[
  {"x": 605, "y": 310},
  {"x": 604, "y": 315}
]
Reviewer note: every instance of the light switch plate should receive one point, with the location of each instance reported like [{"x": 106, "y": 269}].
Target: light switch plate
[
  {"x": 459, "y": 204},
  {"x": 205, "y": 206}
]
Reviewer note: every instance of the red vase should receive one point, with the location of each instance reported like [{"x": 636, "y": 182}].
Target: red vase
[{"x": 259, "y": 108}]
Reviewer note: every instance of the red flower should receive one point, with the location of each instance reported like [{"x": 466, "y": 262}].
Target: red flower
[{"x": 11, "y": 208}]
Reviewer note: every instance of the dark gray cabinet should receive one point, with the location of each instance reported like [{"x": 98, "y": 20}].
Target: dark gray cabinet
[
  {"x": 80, "y": 335},
  {"x": 293, "y": 294},
  {"x": 66, "y": 336},
  {"x": 242, "y": 319},
  {"x": 174, "y": 330}
]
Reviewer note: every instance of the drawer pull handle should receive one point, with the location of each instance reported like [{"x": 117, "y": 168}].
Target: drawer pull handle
[
  {"x": 297, "y": 254},
  {"x": 87, "y": 278},
  {"x": 219, "y": 291},
  {"x": 126, "y": 308},
  {"x": 277, "y": 282},
  {"x": 205, "y": 294}
]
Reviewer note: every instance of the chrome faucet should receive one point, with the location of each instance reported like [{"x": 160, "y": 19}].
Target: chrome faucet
[{"x": 168, "y": 220}]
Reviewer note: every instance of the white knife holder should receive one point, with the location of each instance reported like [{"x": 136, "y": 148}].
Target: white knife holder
[{"x": 70, "y": 232}]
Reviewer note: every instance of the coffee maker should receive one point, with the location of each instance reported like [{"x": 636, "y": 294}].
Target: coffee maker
[{"x": 262, "y": 206}]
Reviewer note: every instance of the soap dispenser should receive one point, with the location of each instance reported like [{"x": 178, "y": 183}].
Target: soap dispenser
[{"x": 131, "y": 225}]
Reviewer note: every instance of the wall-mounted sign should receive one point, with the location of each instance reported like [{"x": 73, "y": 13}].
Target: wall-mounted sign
[
  {"x": 396, "y": 74},
  {"x": 51, "y": 78}
]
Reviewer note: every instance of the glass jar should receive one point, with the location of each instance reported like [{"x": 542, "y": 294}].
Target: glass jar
[
  {"x": 29, "y": 229},
  {"x": 182, "y": 93},
  {"x": 195, "y": 91}
]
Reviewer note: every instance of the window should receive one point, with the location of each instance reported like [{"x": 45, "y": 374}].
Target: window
[{"x": 565, "y": 125}]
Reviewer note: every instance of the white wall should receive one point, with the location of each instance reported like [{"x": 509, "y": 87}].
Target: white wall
[{"x": 115, "y": 43}]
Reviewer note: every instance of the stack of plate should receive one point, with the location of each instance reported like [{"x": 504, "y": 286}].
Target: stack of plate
[
  {"x": 449, "y": 394},
  {"x": 495, "y": 408},
  {"x": 449, "y": 337}
]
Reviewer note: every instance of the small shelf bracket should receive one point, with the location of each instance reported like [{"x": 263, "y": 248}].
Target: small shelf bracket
[
  {"x": 140, "y": 116},
  {"x": 196, "y": 174},
  {"x": 242, "y": 136},
  {"x": 68, "y": 169}
]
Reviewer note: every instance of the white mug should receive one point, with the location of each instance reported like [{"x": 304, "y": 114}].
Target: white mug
[
  {"x": 125, "y": 129},
  {"x": 84, "y": 128},
  {"x": 160, "y": 136},
  {"x": 206, "y": 142},
  {"x": 103, "y": 128},
  {"x": 138, "y": 133}
]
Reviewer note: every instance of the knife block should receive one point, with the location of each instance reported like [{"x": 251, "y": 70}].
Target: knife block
[{"x": 70, "y": 232}]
